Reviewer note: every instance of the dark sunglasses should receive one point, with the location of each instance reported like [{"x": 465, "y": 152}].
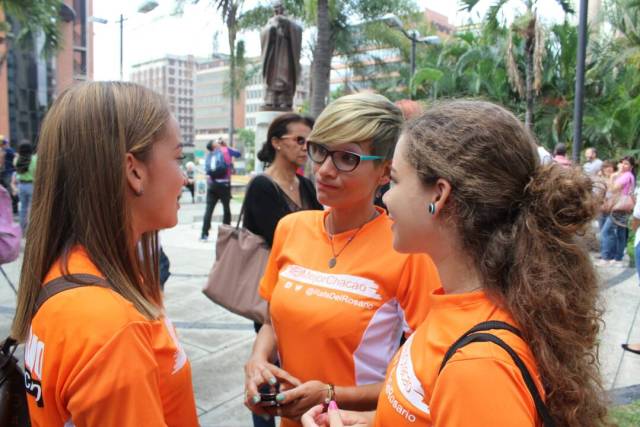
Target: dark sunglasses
[
  {"x": 300, "y": 140},
  {"x": 344, "y": 161}
]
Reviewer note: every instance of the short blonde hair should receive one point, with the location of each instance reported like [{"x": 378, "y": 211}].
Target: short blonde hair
[{"x": 361, "y": 117}]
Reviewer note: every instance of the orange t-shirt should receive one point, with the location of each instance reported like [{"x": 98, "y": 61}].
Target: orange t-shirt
[
  {"x": 342, "y": 325},
  {"x": 479, "y": 386},
  {"x": 100, "y": 362}
]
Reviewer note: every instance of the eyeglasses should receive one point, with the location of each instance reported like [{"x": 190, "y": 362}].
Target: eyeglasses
[
  {"x": 344, "y": 161},
  {"x": 300, "y": 140}
]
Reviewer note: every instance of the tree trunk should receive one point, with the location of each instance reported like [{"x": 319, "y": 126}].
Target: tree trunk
[
  {"x": 321, "y": 73},
  {"x": 529, "y": 89}
]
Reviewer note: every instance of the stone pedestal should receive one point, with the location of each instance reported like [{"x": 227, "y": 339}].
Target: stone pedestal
[{"x": 263, "y": 120}]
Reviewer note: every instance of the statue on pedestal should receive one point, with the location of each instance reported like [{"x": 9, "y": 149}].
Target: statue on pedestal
[{"x": 281, "y": 42}]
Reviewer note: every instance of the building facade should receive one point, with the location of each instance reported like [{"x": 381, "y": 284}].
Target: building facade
[
  {"x": 29, "y": 82},
  {"x": 378, "y": 67},
  {"x": 254, "y": 95},
  {"x": 212, "y": 109},
  {"x": 173, "y": 77}
]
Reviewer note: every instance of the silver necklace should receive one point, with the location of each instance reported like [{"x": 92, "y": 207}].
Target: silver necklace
[{"x": 334, "y": 260}]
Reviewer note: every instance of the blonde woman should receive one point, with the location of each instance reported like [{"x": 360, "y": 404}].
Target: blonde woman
[
  {"x": 340, "y": 296},
  {"x": 103, "y": 353}
]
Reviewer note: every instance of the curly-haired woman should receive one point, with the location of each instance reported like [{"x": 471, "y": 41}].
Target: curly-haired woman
[{"x": 469, "y": 191}]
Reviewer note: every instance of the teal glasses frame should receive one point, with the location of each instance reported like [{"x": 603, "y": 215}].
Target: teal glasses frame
[{"x": 344, "y": 161}]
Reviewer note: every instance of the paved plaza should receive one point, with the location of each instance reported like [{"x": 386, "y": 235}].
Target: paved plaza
[{"x": 218, "y": 342}]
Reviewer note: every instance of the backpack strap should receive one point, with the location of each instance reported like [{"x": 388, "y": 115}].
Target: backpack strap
[
  {"x": 65, "y": 283},
  {"x": 476, "y": 334}
]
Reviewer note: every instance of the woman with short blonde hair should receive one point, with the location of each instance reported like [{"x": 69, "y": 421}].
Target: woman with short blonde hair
[
  {"x": 334, "y": 284},
  {"x": 108, "y": 177}
]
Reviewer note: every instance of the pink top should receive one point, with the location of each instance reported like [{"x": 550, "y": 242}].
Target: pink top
[
  {"x": 627, "y": 181},
  {"x": 562, "y": 160}
]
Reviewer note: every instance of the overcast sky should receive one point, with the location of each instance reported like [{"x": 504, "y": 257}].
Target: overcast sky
[{"x": 152, "y": 35}]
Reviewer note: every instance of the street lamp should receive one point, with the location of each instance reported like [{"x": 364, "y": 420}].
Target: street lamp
[
  {"x": 146, "y": 7},
  {"x": 579, "y": 94},
  {"x": 392, "y": 21}
]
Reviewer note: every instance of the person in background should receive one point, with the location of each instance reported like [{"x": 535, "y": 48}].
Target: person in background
[
  {"x": 280, "y": 190},
  {"x": 7, "y": 172},
  {"x": 190, "y": 172},
  {"x": 340, "y": 298},
  {"x": 25, "y": 164},
  {"x": 635, "y": 222},
  {"x": 218, "y": 167},
  {"x": 229, "y": 154},
  {"x": 543, "y": 155},
  {"x": 560, "y": 155},
  {"x": 499, "y": 261},
  {"x": 108, "y": 179},
  {"x": 613, "y": 237},
  {"x": 602, "y": 183},
  {"x": 593, "y": 164}
]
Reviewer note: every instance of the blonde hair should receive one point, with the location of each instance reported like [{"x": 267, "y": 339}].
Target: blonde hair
[
  {"x": 79, "y": 196},
  {"x": 361, "y": 117}
]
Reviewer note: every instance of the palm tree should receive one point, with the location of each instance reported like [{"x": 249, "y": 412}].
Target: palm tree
[
  {"x": 33, "y": 16},
  {"x": 528, "y": 29},
  {"x": 230, "y": 11},
  {"x": 321, "y": 73}
]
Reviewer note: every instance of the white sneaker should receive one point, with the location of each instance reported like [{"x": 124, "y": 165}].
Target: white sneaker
[
  {"x": 603, "y": 263},
  {"x": 617, "y": 264}
]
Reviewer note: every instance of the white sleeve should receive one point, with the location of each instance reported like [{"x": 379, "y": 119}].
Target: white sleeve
[{"x": 636, "y": 209}]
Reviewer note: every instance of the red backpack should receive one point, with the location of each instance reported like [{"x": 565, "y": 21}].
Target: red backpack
[{"x": 10, "y": 233}]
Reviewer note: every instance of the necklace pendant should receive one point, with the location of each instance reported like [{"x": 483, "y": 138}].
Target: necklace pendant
[{"x": 332, "y": 262}]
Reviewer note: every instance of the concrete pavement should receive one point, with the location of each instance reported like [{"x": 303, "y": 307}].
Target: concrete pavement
[{"x": 218, "y": 342}]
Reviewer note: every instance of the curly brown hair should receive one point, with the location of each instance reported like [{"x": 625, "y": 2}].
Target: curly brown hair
[{"x": 519, "y": 221}]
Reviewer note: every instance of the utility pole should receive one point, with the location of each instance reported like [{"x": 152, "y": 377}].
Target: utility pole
[
  {"x": 121, "y": 21},
  {"x": 579, "y": 97}
]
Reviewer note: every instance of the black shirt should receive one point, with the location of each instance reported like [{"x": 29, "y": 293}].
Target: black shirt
[{"x": 265, "y": 203}]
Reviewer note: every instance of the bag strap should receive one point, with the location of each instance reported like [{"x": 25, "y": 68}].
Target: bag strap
[
  {"x": 475, "y": 334},
  {"x": 244, "y": 202},
  {"x": 54, "y": 287},
  {"x": 63, "y": 283}
]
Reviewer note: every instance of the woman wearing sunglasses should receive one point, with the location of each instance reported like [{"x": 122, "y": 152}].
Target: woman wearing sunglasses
[
  {"x": 340, "y": 296},
  {"x": 280, "y": 190}
]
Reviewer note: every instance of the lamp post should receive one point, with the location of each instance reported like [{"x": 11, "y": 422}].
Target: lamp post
[
  {"x": 393, "y": 21},
  {"x": 579, "y": 96},
  {"x": 146, "y": 7}
]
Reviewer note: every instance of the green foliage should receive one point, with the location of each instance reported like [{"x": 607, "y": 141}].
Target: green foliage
[
  {"x": 248, "y": 139},
  {"x": 473, "y": 64},
  {"x": 34, "y": 16},
  {"x": 431, "y": 75},
  {"x": 627, "y": 415}
]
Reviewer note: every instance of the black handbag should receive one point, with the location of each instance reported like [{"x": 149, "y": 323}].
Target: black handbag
[{"x": 14, "y": 411}]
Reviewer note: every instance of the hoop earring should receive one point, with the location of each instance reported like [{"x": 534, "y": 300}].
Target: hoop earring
[{"x": 431, "y": 208}]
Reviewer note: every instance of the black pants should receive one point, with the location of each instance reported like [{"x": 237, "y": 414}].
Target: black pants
[
  {"x": 192, "y": 188},
  {"x": 217, "y": 191}
]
